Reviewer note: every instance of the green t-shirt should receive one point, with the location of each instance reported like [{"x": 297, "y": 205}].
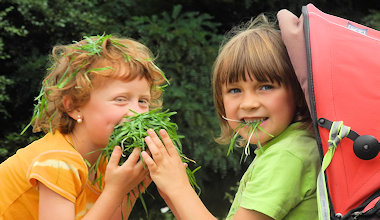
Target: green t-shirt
[{"x": 281, "y": 181}]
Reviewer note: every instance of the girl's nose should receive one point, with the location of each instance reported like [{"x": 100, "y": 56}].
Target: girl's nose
[
  {"x": 130, "y": 112},
  {"x": 134, "y": 108},
  {"x": 250, "y": 102}
]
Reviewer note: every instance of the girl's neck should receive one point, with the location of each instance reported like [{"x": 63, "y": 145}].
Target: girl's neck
[
  {"x": 87, "y": 151},
  {"x": 86, "y": 154}
]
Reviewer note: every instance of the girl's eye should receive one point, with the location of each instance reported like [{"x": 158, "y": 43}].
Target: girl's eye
[
  {"x": 266, "y": 87},
  {"x": 120, "y": 99},
  {"x": 234, "y": 91},
  {"x": 144, "y": 101}
]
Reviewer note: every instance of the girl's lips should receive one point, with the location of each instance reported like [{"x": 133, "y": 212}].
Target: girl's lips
[{"x": 263, "y": 122}]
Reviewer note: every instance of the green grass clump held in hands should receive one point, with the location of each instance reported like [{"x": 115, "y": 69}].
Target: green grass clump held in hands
[{"x": 130, "y": 134}]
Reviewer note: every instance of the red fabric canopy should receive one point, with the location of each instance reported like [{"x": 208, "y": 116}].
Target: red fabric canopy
[{"x": 340, "y": 76}]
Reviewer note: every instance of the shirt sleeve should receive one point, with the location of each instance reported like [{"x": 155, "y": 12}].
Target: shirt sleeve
[
  {"x": 274, "y": 186},
  {"x": 64, "y": 172}
]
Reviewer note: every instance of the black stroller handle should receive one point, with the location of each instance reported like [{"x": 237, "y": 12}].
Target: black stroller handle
[{"x": 366, "y": 147}]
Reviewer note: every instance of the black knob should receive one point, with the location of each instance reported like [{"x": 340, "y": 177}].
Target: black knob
[{"x": 366, "y": 147}]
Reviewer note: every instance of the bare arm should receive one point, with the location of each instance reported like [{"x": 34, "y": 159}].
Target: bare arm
[
  {"x": 243, "y": 213},
  {"x": 168, "y": 173},
  {"x": 119, "y": 180},
  {"x": 130, "y": 200},
  {"x": 53, "y": 204}
]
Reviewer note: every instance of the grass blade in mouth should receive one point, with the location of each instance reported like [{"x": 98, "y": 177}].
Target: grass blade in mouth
[{"x": 252, "y": 130}]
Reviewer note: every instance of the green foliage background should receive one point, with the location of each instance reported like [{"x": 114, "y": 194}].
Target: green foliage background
[{"x": 183, "y": 34}]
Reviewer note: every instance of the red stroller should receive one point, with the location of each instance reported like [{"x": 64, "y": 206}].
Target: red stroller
[{"x": 337, "y": 63}]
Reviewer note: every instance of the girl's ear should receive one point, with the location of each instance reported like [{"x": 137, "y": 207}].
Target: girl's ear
[{"x": 69, "y": 108}]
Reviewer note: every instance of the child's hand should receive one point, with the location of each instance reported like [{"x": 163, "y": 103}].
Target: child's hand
[
  {"x": 125, "y": 178},
  {"x": 166, "y": 168},
  {"x": 130, "y": 199},
  {"x": 139, "y": 189},
  {"x": 169, "y": 174}
]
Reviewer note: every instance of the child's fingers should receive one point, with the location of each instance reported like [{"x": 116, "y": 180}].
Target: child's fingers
[
  {"x": 148, "y": 161},
  {"x": 115, "y": 156},
  {"x": 147, "y": 180},
  {"x": 156, "y": 140},
  {"x": 133, "y": 157},
  {"x": 168, "y": 143},
  {"x": 156, "y": 153}
]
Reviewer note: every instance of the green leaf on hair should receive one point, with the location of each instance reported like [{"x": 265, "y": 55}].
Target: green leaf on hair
[{"x": 93, "y": 46}]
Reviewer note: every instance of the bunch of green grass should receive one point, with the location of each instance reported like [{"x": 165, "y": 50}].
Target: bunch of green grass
[
  {"x": 252, "y": 130},
  {"x": 131, "y": 133}
]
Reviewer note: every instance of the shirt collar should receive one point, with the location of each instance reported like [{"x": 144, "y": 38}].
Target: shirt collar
[{"x": 259, "y": 151}]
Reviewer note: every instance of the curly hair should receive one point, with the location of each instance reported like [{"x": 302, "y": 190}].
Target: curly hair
[
  {"x": 255, "y": 50},
  {"x": 78, "y": 67}
]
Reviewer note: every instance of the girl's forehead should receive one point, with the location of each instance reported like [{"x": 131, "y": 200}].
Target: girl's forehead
[
  {"x": 101, "y": 81},
  {"x": 249, "y": 77}
]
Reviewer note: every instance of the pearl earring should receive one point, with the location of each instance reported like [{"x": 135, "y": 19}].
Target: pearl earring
[{"x": 79, "y": 120}]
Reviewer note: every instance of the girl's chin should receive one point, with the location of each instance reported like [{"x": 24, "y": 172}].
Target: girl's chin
[{"x": 253, "y": 140}]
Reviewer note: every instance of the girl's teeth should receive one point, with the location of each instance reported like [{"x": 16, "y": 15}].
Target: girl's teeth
[{"x": 260, "y": 120}]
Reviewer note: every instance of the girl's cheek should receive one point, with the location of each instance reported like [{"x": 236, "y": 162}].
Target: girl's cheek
[{"x": 233, "y": 125}]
